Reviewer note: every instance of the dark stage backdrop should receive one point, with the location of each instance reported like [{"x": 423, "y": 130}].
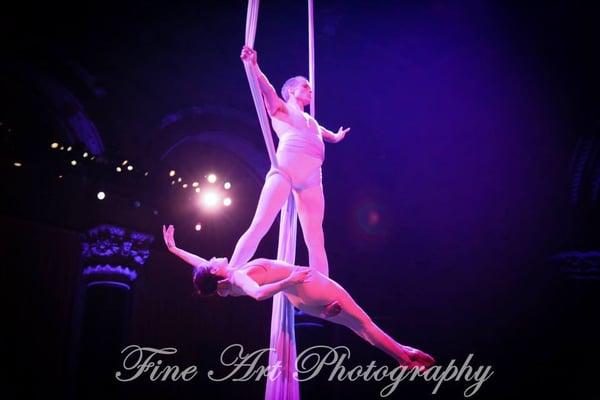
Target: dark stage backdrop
[{"x": 473, "y": 161}]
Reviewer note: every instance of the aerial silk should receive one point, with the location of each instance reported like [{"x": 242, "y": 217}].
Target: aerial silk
[{"x": 283, "y": 338}]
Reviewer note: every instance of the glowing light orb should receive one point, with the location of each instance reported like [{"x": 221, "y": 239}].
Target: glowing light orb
[{"x": 210, "y": 199}]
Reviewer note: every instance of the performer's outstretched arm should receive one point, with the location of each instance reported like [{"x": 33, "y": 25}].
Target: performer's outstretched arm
[
  {"x": 192, "y": 259},
  {"x": 273, "y": 102},
  {"x": 333, "y": 137}
]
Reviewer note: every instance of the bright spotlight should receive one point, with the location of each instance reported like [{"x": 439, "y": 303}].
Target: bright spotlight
[
  {"x": 73, "y": 162},
  {"x": 185, "y": 185},
  {"x": 227, "y": 202},
  {"x": 69, "y": 148},
  {"x": 212, "y": 178},
  {"x": 210, "y": 199},
  {"x": 85, "y": 154},
  {"x": 101, "y": 195},
  {"x": 130, "y": 168},
  {"x": 195, "y": 184},
  {"x": 197, "y": 190},
  {"x": 172, "y": 172},
  {"x": 119, "y": 169},
  {"x": 198, "y": 227},
  {"x": 54, "y": 145},
  {"x": 179, "y": 179},
  {"x": 17, "y": 164},
  {"x": 227, "y": 185},
  {"x": 124, "y": 162}
]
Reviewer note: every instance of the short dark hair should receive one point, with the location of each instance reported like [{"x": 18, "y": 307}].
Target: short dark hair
[{"x": 204, "y": 281}]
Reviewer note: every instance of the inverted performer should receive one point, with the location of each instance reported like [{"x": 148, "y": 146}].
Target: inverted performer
[
  {"x": 305, "y": 287},
  {"x": 300, "y": 154}
]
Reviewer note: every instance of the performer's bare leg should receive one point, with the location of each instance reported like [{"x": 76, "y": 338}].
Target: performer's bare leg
[
  {"x": 355, "y": 318},
  {"x": 311, "y": 210},
  {"x": 272, "y": 197}
]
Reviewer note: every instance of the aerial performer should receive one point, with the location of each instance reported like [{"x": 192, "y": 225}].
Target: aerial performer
[
  {"x": 305, "y": 287},
  {"x": 300, "y": 155}
]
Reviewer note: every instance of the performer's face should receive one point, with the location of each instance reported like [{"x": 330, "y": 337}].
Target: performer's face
[
  {"x": 303, "y": 92},
  {"x": 218, "y": 267}
]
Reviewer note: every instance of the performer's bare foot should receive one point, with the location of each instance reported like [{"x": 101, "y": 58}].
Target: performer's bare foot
[
  {"x": 420, "y": 357},
  {"x": 331, "y": 310}
]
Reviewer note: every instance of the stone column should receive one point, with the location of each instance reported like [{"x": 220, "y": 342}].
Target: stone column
[{"x": 112, "y": 258}]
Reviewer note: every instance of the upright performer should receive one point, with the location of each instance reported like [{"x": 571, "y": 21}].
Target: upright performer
[{"x": 300, "y": 154}]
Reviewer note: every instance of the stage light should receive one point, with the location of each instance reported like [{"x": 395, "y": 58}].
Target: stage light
[
  {"x": 62, "y": 147},
  {"x": 54, "y": 145},
  {"x": 73, "y": 162},
  {"x": 185, "y": 185},
  {"x": 227, "y": 202},
  {"x": 197, "y": 190},
  {"x": 172, "y": 172},
  {"x": 119, "y": 169},
  {"x": 172, "y": 182},
  {"x": 124, "y": 162},
  {"x": 155, "y": 212},
  {"x": 146, "y": 173},
  {"x": 210, "y": 199},
  {"x": 179, "y": 179},
  {"x": 85, "y": 154},
  {"x": 227, "y": 185},
  {"x": 60, "y": 177},
  {"x": 195, "y": 184},
  {"x": 101, "y": 195},
  {"x": 137, "y": 204},
  {"x": 212, "y": 178},
  {"x": 69, "y": 148},
  {"x": 92, "y": 157},
  {"x": 130, "y": 168},
  {"x": 17, "y": 164},
  {"x": 198, "y": 227}
]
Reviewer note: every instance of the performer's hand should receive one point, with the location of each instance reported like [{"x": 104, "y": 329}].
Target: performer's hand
[
  {"x": 168, "y": 235},
  {"x": 299, "y": 275},
  {"x": 248, "y": 55},
  {"x": 341, "y": 133}
]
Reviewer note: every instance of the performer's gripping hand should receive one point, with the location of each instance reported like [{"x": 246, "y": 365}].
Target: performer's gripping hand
[
  {"x": 299, "y": 275},
  {"x": 248, "y": 55},
  {"x": 168, "y": 235}
]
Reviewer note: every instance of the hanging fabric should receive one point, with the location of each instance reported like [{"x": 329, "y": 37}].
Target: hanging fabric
[{"x": 283, "y": 338}]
